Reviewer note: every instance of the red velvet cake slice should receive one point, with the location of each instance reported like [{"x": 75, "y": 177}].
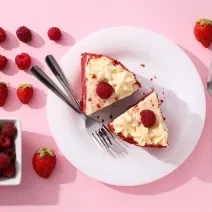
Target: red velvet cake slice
[
  {"x": 104, "y": 81},
  {"x": 142, "y": 124}
]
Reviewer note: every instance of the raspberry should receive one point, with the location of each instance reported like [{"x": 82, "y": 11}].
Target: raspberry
[
  {"x": 3, "y": 93},
  {"x": 148, "y": 118},
  {"x": 104, "y": 90},
  {"x": 5, "y": 142},
  {"x": 54, "y": 33},
  {"x": 9, "y": 171},
  {"x": 3, "y": 62},
  {"x": 2, "y": 35},
  {"x": 24, "y": 34},
  {"x": 4, "y": 161},
  {"x": 23, "y": 61},
  {"x": 9, "y": 130},
  {"x": 10, "y": 153}
]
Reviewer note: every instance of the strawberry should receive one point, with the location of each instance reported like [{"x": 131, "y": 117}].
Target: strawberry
[
  {"x": 203, "y": 32},
  {"x": 104, "y": 90},
  {"x": 148, "y": 118},
  {"x": 44, "y": 162},
  {"x": 25, "y": 93},
  {"x": 3, "y": 93}
]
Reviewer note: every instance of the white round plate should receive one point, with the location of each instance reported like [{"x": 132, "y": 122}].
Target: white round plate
[{"x": 177, "y": 83}]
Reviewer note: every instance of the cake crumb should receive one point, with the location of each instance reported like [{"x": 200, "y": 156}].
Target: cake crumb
[
  {"x": 98, "y": 106},
  {"x": 97, "y": 117},
  {"x": 111, "y": 117},
  {"x": 155, "y": 77},
  {"x": 94, "y": 76},
  {"x": 161, "y": 101},
  {"x": 151, "y": 79},
  {"x": 142, "y": 65},
  {"x": 103, "y": 120}
]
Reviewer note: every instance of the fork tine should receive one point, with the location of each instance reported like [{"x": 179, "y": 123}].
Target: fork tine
[
  {"x": 105, "y": 135},
  {"x": 98, "y": 142},
  {"x": 102, "y": 139},
  {"x": 106, "y": 130}
]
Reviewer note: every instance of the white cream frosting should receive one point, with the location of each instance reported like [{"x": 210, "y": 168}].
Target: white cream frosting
[
  {"x": 103, "y": 69},
  {"x": 129, "y": 123}
]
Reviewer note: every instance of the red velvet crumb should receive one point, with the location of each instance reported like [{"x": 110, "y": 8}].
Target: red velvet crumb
[{"x": 98, "y": 106}]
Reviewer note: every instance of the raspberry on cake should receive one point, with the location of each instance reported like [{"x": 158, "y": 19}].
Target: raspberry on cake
[
  {"x": 142, "y": 124},
  {"x": 104, "y": 81}
]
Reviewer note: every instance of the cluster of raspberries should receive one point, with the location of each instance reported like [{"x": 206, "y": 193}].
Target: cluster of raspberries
[{"x": 7, "y": 150}]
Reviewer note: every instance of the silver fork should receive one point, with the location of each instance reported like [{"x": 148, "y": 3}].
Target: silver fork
[
  {"x": 98, "y": 131},
  {"x": 209, "y": 82}
]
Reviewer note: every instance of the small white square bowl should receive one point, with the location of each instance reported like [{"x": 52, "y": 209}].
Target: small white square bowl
[{"x": 16, "y": 180}]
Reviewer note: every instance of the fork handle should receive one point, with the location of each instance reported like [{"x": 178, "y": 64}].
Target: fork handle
[
  {"x": 57, "y": 71},
  {"x": 42, "y": 77}
]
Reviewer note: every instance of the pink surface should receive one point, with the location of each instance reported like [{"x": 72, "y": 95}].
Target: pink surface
[{"x": 189, "y": 187}]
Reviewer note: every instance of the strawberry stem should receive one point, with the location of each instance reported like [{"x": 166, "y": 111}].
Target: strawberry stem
[
  {"x": 3, "y": 83},
  {"x": 26, "y": 86},
  {"x": 205, "y": 21},
  {"x": 44, "y": 151}
]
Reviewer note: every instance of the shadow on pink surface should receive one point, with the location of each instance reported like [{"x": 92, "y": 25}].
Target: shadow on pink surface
[
  {"x": 35, "y": 190},
  {"x": 11, "y": 42},
  {"x": 39, "y": 99},
  {"x": 199, "y": 163},
  {"x": 12, "y": 103},
  {"x": 11, "y": 68},
  {"x": 66, "y": 39},
  {"x": 37, "y": 41}
]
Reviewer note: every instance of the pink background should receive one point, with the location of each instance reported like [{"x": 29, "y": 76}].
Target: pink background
[{"x": 189, "y": 187}]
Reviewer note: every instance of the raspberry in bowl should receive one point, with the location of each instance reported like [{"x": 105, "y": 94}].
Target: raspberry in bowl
[{"x": 10, "y": 152}]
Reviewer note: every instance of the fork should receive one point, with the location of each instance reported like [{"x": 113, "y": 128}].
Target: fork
[{"x": 98, "y": 131}]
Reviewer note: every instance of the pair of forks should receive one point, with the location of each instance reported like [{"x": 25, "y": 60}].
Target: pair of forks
[{"x": 97, "y": 130}]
